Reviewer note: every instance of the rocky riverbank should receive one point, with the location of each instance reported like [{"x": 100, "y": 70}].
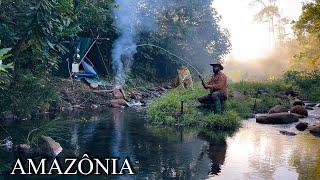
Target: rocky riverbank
[{"x": 305, "y": 115}]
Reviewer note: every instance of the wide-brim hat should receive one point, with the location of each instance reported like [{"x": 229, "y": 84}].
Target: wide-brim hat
[{"x": 217, "y": 64}]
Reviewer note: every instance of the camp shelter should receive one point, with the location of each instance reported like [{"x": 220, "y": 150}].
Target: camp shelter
[{"x": 92, "y": 61}]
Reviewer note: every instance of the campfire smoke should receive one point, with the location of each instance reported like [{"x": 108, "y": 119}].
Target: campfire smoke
[
  {"x": 131, "y": 17},
  {"x": 125, "y": 17}
]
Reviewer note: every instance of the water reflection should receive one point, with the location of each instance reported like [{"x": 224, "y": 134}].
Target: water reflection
[
  {"x": 261, "y": 152},
  {"x": 254, "y": 152},
  {"x": 217, "y": 155}
]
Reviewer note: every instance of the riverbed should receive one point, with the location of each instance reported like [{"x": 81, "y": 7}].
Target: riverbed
[{"x": 254, "y": 151}]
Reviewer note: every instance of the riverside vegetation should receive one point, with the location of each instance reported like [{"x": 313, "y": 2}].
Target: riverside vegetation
[{"x": 245, "y": 99}]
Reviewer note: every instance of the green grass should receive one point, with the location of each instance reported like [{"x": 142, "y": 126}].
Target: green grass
[
  {"x": 307, "y": 83},
  {"x": 256, "y": 97}
]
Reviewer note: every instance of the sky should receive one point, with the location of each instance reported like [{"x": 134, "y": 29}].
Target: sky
[{"x": 250, "y": 40}]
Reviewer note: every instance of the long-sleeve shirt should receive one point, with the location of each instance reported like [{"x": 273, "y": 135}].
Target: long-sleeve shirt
[{"x": 218, "y": 83}]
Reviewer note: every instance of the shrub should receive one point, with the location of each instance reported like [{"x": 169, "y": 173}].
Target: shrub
[
  {"x": 307, "y": 82},
  {"x": 27, "y": 95}
]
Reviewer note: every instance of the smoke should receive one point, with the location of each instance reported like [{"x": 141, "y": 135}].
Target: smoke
[
  {"x": 125, "y": 16},
  {"x": 131, "y": 17},
  {"x": 188, "y": 29}
]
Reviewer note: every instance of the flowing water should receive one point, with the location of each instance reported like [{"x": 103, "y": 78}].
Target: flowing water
[{"x": 253, "y": 152}]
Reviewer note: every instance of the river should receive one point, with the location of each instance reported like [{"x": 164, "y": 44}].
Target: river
[{"x": 255, "y": 151}]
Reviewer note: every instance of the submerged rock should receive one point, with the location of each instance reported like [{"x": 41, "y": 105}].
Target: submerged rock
[
  {"x": 301, "y": 126},
  {"x": 315, "y": 130},
  {"x": 278, "y": 109},
  {"x": 49, "y": 147},
  {"x": 287, "y": 133},
  {"x": 299, "y": 110},
  {"x": 277, "y": 118}
]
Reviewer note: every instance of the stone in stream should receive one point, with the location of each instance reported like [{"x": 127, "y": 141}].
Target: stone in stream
[
  {"x": 309, "y": 108},
  {"x": 315, "y": 130},
  {"x": 278, "y": 109},
  {"x": 311, "y": 104},
  {"x": 301, "y": 126},
  {"x": 49, "y": 147},
  {"x": 277, "y": 118},
  {"x": 287, "y": 133},
  {"x": 299, "y": 110}
]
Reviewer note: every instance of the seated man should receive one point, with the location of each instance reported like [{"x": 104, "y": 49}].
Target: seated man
[{"x": 218, "y": 88}]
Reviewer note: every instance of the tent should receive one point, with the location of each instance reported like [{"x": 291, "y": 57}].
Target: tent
[
  {"x": 89, "y": 59},
  {"x": 93, "y": 59}
]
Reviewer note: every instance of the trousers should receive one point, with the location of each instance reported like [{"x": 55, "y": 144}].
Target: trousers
[{"x": 213, "y": 99}]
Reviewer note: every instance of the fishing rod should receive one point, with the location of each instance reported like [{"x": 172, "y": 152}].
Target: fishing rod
[{"x": 172, "y": 54}]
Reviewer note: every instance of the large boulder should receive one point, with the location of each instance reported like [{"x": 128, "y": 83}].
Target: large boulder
[
  {"x": 301, "y": 126},
  {"x": 277, "y": 118},
  {"x": 315, "y": 130},
  {"x": 299, "y": 110},
  {"x": 278, "y": 109},
  {"x": 49, "y": 147}
]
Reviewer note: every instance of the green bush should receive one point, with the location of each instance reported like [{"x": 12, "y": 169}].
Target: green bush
[
  {"x": 306, "y": 82},
  {"x": 27, "y": 95}
]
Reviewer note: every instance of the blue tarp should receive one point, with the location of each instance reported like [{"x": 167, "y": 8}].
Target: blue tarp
[{"x": 89, "y": 70}]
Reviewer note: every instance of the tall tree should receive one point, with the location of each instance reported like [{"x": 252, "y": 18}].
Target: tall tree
[
  {"x": 189, "y": 29},
  {"x": 307, "y": 30},
  {"x": 268, "y": 13},
  {"x": 35, "y": 30}
]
